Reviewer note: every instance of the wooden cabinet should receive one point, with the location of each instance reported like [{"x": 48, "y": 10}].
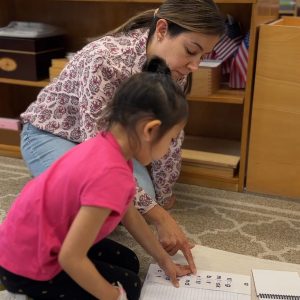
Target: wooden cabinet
[
  {"x": 216, "y": 145},
  {"x": 274, "y": 152},
  {"x": 219, "y": 124}
]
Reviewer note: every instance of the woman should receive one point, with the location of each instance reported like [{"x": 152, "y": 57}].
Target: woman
[{"x": 71, "y": 109}]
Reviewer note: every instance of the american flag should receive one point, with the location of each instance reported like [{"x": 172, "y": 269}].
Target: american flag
[
  {"x": 239, "y": 65},
  {"x": 225, "y": 48},
  {"x": 224, "y": 51}
]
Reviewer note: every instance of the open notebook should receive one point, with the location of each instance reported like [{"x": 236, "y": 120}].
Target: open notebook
[
  {"x": 271, "y": 284},
  {"x": 203, "y": 285}
]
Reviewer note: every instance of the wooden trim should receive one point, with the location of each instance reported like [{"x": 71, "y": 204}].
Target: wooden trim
[
  {"x": 223, "y": 95},
  {"x": 230, "y": 184},
  {"x": 10, "y": 151},
  {"x": 156, "y": 1},
  {"x": 30, "y": 52},
  {"x": 41, "y": 83},
  {"x": 211, "y": 159}
]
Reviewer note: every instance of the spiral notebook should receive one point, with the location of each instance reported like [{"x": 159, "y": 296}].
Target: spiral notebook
[{"x": 271, "y": 284}]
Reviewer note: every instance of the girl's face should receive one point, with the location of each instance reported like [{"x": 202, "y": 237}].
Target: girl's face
[
  {"x": 149, "y": 150},
  {"x": 183, "y": 52}
]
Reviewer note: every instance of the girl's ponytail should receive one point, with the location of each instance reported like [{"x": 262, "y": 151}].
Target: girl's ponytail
[{"x": 156, "y": 65}]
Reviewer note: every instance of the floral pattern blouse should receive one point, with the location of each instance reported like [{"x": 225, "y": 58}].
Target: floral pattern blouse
[{"x": 73, "y": 105}]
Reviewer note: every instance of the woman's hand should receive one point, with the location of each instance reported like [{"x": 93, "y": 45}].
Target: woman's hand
[
  {"x": 170, "y": 234},
  {"x": 174, "y": 270}
]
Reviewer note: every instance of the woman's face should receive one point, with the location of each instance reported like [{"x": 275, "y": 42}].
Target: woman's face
[{"x": 183, "y": 52}]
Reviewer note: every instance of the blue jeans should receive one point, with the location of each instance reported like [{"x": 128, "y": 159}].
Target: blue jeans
[{"x": 40, "y": 149}]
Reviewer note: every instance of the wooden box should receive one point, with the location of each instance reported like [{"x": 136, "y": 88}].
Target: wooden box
[
  {"x": 29, "y": 58},
  {"x": 207, "y": 79}
]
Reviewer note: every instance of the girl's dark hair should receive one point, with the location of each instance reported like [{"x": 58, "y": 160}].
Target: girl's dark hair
[{"x": 151, "y": 94}]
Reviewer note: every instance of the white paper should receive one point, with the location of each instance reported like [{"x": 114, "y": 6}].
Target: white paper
[
  {"x": 276, "y": 282},
  {"x": 210, "y": 63},
  {"x": 204, "y": 285}
]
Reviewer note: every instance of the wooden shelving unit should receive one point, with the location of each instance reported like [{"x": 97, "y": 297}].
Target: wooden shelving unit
[
  {"x": 41, "y": 83},
  {"x": 215, "y": 149},
  {"x": 223, "y": 95}
]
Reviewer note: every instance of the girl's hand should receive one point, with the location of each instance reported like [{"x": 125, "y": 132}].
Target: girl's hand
[
  {"x": 116, "y": 293},
  {"x": 112, "y": 293},
  {"x": 123, "y": 295},
  {"x": 174, "y": 270}
]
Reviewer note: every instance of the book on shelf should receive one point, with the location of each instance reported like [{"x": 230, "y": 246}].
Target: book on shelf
[{"x": 10, "y": 124}]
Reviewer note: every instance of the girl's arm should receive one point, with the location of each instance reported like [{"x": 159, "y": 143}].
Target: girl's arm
[
  {"x": 139, "y": 229},
  {"x": 73, "y": 254}
]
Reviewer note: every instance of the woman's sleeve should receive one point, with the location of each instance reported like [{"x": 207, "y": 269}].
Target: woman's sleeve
[
  {"x": 142, "y": 201},
  {"x": 99, "y": 79},
  {"x": 165, "y": 172}
]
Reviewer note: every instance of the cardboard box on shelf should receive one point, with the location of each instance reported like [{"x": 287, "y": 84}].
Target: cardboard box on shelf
[
  {"x": 207, "y": 79},
  {"x": 57, "y": 65}
]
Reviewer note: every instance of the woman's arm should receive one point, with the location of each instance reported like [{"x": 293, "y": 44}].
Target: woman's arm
[
  {"x": 73, "y": 254},
  {"x": 165, "y": 172},
  {"x": 170, "y": 235},
  {"x": 139, "y": 229}
]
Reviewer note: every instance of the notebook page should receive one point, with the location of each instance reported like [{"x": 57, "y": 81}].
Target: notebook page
[
  {"x": 204, "y": 285},
  {"x": 276, "y": 282},
  {"x": 164, "y": 292}
]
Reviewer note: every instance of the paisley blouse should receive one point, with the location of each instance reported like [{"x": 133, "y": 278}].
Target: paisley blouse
[{"x": 73, "y": 105}]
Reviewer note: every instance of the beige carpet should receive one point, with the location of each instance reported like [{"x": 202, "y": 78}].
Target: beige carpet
[{"x": 243, "y": 223}]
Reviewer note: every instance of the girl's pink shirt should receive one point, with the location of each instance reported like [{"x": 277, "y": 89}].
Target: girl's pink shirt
[{"x": 93, "y": 173}]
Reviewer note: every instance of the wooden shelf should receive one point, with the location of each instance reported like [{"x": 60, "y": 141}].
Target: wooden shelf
[
  {"x": 219, "y": 163},
  {"x": 210, "y": 161},
  {"x": 223, "y": 95},
  {"x": 10, "y": 151},
  {"x": 41, "y": 83},
  {"x": 156, "y": 1},
  {"x": 230, "y": 184},
  {"x": 214, "y": 145}
]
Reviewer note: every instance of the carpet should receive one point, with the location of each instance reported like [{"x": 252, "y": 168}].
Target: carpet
[{"x": 264, "y": 227}]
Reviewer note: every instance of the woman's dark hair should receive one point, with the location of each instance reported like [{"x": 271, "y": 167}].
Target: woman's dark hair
[
  {"x": 201, "y": 16},
  {"x": 182, "y": 15},
  {"x": 151, "y": 94}
]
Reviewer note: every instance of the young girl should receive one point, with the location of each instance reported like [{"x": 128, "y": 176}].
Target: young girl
[{"x": 53, "y": 241}]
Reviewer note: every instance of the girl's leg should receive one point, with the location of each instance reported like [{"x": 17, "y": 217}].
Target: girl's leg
[
  {"x": 62, "y": 286},
  {"x": 114, "y": 253},
  {"x": 40, "y": 148}
]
